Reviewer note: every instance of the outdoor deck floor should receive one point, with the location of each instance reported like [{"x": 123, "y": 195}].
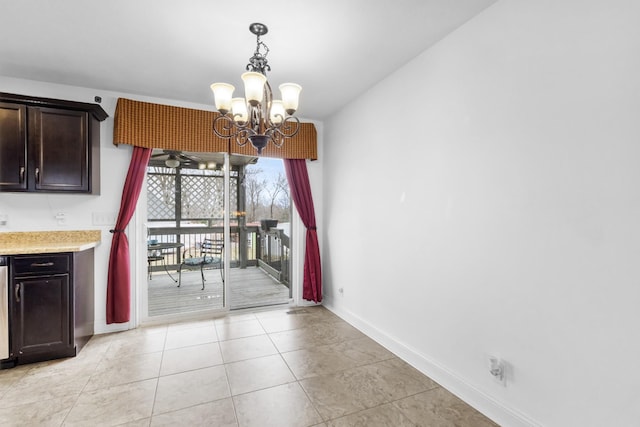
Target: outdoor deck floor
[{"x": 250, "y": 287}]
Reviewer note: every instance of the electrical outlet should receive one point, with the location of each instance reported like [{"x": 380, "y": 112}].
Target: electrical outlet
[
  {"x": 61, "y": 217},
  {"x": 498, "y": 369},
  {"x": 4, "y": 219}
]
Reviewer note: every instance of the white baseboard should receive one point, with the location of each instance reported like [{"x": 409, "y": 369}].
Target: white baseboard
[
  {"x": 107, "y": 329},
  {"x": 504, "y": 416}
]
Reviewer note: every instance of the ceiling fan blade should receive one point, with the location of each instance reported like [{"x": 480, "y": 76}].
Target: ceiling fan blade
[{"x": 189, "y": 157}]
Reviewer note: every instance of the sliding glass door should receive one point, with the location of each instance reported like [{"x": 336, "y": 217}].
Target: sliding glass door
[
  {"x": 264, "y": 279},
  {"x": 218, "y": 234},
  {"x": 186, "y": 233}
]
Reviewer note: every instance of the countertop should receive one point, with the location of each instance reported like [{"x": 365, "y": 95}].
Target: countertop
[{"x": 39, "y": 242}]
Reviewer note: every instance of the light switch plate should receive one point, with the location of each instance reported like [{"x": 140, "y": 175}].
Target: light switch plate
[{"x": 104, "y": 218}]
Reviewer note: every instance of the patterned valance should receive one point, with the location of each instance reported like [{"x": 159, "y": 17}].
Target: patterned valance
[{"x": 149, "y": 125}]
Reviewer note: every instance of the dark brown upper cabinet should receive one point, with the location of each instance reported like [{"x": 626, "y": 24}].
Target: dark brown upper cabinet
[{"x": 49, "y": 145}]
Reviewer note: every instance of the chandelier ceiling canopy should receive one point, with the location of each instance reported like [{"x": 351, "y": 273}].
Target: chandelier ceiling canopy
[{"x": 256, "y": 118}]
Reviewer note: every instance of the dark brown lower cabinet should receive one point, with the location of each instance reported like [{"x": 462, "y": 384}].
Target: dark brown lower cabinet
[
  {"x": 41, "y": 314},
  {"x": 51, "y": 305}
]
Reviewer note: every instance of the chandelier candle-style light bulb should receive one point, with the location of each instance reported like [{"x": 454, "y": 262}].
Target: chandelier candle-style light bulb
[
  {"x": 239, "y": 110},
  {"x": 277, "y": 112},
  {"x": 256, "y": 118},
  {"x": 290, "y": 94},
  {"x": 254, "y": 87},
  {"x": 222, "y": 93}
]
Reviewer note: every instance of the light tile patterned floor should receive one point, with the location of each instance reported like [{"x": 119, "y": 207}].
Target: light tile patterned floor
[{"x": 283, "y": 367}]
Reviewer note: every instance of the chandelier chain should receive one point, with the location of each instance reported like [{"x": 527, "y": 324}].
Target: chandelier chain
[{"x": 258, "y": 62}]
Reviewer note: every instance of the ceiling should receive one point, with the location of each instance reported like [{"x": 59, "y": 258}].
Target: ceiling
[
  {"x": 335, "y": 49},
  {"x": 191, "y": 160}
]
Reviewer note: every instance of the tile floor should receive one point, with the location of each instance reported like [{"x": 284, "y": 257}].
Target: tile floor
[{"x": 282, "y": 367}]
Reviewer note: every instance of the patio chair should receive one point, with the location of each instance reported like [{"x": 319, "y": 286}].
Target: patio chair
[
  {"x": 154, "y": 257},
  {"x": 210, "y": 254}
]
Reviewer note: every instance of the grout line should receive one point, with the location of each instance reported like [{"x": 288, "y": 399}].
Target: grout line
[
  {"x": 226, "y": 373},
  {"x": 155, "y": 393}
]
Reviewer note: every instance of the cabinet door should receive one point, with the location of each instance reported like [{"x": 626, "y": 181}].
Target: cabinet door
[
  {"x": 41, "y": 316},
  {"x": 13, "y": 147},
  {"x": 59, "y": 144}
]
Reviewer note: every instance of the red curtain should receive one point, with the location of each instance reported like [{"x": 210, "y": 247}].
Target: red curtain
[
  {"x": 298, "y": 178},
  {"x": 119, "y": 277}
]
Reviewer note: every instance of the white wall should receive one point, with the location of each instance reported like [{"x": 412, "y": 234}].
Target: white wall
[{"x": 493, "y": 207}]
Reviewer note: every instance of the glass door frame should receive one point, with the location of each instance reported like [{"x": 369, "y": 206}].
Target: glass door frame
[{"x": 226, "y": 234}]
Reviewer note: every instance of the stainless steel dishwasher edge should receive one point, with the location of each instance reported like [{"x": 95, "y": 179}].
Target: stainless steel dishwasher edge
[{"x": 4, "y": 307}]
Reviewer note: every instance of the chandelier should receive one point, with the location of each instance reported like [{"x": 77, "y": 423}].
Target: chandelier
[{"x": 257, "y": 118}]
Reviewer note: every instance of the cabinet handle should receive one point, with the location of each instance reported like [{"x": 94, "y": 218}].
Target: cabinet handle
[
  {"x": 42, "y": 264},
  {"x": 21, "y": 174},
  {"x": 17, "y": 291},
  {"x": 38, "y": 175}
]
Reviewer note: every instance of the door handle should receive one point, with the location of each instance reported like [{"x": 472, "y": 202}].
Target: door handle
[
  {"x": 38, "y": 175},
  {"x": 21, "y": 174},
  {"x": 17, "y": 292}
]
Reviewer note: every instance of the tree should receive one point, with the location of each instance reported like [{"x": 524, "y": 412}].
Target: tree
[
  {"x": 254, "y": 187},
  {"x": 277, "y": 190}
]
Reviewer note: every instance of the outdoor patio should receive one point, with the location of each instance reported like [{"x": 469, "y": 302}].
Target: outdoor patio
[{"x": 248, "y": 287}]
